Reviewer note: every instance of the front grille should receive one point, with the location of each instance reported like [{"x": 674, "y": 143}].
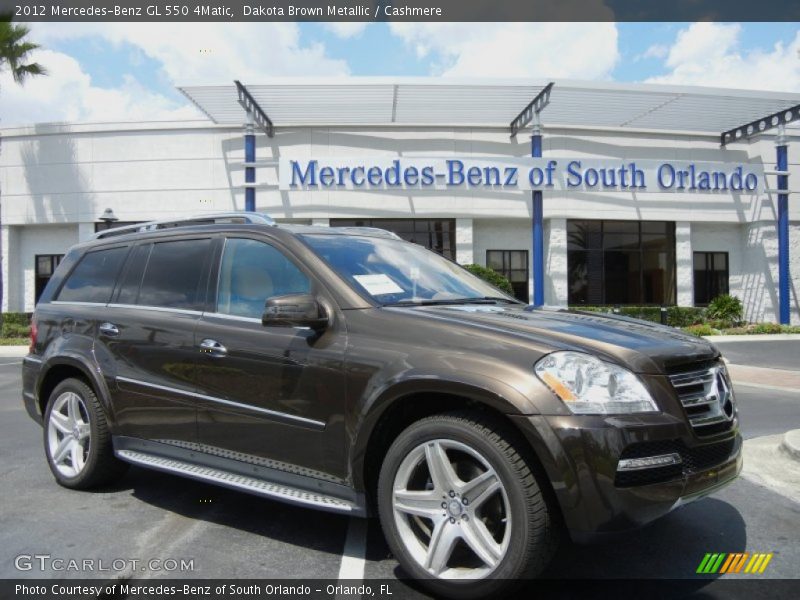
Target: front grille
[
  {"x": 706, "y": 394},
  {"x": 694, "y": 459}
]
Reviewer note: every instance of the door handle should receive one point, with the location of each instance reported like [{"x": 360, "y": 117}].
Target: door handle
[
  {"x": 213, "y": 348},
  {"x": 109, "y": 329}
]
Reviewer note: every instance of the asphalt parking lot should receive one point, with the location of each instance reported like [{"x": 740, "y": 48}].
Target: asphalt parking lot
[{"x": 226, "y": 534}]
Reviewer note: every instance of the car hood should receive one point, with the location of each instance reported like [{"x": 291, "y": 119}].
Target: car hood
[{"x": 638, "y": 345}]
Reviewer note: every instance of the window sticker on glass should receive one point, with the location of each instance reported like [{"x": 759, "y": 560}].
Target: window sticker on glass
[{"x": 377, "y": 284}]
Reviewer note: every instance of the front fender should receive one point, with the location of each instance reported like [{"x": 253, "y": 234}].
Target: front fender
[{"x": 478, "y": 388}]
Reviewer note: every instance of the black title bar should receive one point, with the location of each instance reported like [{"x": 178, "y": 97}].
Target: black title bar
[{"x": 401, "y": 10}]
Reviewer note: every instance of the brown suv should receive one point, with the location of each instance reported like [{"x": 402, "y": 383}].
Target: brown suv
[{"x": 350, "y": 371}]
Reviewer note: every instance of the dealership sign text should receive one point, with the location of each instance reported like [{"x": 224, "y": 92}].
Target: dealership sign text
[{"x": 517, "y": 173}]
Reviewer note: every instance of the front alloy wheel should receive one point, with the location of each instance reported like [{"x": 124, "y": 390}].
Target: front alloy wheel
[
  {"x": 462, "y": 507},
  {"x": 451, "y": 510}
]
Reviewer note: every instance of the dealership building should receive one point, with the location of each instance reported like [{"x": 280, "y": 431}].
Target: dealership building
[{"x": 581, "y": 193}]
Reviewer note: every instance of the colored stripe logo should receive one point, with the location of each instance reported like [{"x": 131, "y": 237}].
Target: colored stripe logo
[{"x": 736, "y": 562}]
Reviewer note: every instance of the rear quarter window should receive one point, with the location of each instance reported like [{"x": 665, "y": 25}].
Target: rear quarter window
[
  {"x": 176, "y": 275},
  {"x": 92, "y": 280}
]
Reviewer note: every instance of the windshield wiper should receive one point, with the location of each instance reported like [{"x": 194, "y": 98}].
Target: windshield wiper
[
  {"x": 445, "y": 301},
  {"x": 487, "y": 300}
]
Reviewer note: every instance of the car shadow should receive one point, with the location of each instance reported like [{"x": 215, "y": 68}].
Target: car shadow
[
  {"x": 288, "y": 524},
  {"x": 661, "y": 558},
  {"x": 665, "y": 554},
  {"x": 669, "y": 548}
]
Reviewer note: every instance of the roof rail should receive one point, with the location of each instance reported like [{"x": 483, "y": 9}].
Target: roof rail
[
  {"x": 253, "y": 218},
  {"x": 376, "y": 231}
]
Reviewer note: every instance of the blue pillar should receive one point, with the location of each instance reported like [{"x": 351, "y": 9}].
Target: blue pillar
[
  {"x": 249, "y": 171},
  {"x": 783, "y": 227},
  {"x": 538, "y": 224}
]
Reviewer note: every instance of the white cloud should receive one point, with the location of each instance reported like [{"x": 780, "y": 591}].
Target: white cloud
[
  {"x": 346, "y": 29},
  {"x": 656, "y": 51},
  {"x": 710, "y": 54},
  {"x": 571, "y": 50},
  {"x": 68, "y": 94},
  {"x": 210, "y": 53}
]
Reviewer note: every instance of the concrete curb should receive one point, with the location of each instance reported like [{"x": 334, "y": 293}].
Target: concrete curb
[
  {"x": 766, "y": 463},
  {"x": 13, "y": 351},
  {"x": 790, "y": 444},
  {"x": 761, "y": 337}
]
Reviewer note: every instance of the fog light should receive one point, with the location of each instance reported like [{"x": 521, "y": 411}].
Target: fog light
[{"x": 649, "y": 462}]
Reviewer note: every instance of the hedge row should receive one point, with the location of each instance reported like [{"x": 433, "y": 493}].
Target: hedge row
[
  {"x": 677, "y": 316},
  {"x": 15, "y": 325}
]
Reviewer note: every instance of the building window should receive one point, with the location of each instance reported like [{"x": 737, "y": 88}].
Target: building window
[
  {"x": 710, "y": 276},
  {"x": 513, "y": 265},
  {"x": 45, "y": 267},
  {"x": 621, "y": 262},
  {"x": 438, "y": 235},
  {"x": 103, "y": 225}
]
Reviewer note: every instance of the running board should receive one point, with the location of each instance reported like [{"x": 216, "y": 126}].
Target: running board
[{"x": 235, "y": 481}]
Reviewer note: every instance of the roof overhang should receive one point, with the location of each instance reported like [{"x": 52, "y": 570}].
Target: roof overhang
[{"x": 379, "y": 101}]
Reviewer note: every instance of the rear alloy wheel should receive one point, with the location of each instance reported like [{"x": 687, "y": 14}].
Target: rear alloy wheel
[
  {"x": 77, "y": 439},
  {"x": 461, "y": 508},
  {"x": 69, "y": 435}
]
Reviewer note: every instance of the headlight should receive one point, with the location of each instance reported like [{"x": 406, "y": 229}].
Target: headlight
[{"x": 590, "y": 386}]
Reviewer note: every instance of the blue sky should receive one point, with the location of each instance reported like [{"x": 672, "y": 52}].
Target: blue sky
[{"x": 129, "y": 71}]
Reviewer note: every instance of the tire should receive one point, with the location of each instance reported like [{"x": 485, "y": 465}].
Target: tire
[
  {"x": 518, "y": 548},
  {"x": 79, "y": 451}
]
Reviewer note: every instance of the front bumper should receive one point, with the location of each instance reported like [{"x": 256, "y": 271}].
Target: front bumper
[{"x": 580, "y": 455}]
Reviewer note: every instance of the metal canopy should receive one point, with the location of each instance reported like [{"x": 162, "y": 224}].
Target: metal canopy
[
  {"x": 248, "y": 103},
  {"x": 782, "y": 117},
  {"x": 491, "y": 103},
  {"x": 531, "y": 112}
]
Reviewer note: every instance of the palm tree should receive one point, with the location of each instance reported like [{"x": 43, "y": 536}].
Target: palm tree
[{"x": 14, "y": 51}]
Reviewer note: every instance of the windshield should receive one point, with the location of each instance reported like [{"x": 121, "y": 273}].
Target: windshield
[{"x": 397, "y": 272}]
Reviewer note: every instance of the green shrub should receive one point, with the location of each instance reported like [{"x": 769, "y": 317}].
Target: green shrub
[
  {"x": 725, "y": 308},
  {"x": 759, "y": 328},
  {"x": 765, "y": 328},
  {"x": 13, "y": 330},
  {"x": 700, "y": 329},
  {"x": 492, "y": 276},
  {"x": 677, "y": 316},
  {"x": 16, "y": 318},
  {"x": 741, "y": 330},
  {"x": 15, "y": 325}
]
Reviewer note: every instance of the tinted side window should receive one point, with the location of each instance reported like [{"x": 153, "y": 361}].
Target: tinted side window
[
  {"x": 132, "y": 279},
  {"x": 175, "y": 275},
  {"x": 251, "y": 272},
  {"x": 92, "y": 280}
]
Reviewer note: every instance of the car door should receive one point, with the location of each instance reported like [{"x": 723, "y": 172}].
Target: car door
[
  {"x": 270, "y": 395},
  {"x": 146, "y": 339}
]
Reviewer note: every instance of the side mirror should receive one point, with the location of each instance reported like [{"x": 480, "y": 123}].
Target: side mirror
[{"x": 294, "y": 310}]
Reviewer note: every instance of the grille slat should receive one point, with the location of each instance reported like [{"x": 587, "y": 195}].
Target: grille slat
[{"x": 707, "y": 397}]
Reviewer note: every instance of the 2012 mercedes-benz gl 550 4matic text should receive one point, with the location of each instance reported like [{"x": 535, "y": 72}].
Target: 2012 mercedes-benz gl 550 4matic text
[{"x": 350, "y": 371}]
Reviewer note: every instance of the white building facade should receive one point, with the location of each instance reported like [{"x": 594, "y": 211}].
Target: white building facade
[{"x": 606, "y": 246}]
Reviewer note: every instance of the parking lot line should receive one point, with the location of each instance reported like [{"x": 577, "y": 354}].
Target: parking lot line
[{"x": 355, "y": 550}]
